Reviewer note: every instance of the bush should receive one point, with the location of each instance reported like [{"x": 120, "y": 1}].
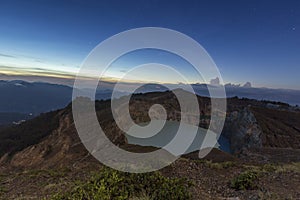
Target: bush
[
  {"x": 111, "y": 184},
  {"x": 245, "y": 181},
  {"x": 269, "y": 168}
]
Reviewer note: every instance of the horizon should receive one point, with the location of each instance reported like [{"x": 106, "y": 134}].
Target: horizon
[
  {"x": 149, "y": 99},
  {"x": 56, "y": 81},
  {"x": 253, "y": 42}
]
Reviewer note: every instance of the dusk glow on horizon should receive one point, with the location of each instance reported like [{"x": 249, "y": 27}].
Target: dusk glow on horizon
[{"x": 255, "y": 41}]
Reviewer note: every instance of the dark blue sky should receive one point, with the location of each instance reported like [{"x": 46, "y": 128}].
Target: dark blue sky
[{"x": 256, "y": 41}]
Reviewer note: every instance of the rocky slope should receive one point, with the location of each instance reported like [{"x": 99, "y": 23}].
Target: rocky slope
[
  {"x": 62, "y": 146},
  {"x": 261, "y": 137},
  {"x": 249, "y": 125},
  {"x": 243, "y": 130}
]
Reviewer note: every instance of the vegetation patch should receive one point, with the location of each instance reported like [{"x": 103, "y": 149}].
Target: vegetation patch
[
  {"x": 54, "y": 173},
  {"x": 220, "y": 165},
  {"x": 280, "y": 168},
  {"x": 110, "y": 184},
  {"x": 217, "y": 165},
  {"x": 245, "y": 181},
  {"x": 18, "y": 137},
  {"x": 2, "y": 188},
  {"x": 291, "y": 167}
]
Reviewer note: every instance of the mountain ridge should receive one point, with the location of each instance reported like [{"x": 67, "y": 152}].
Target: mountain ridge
[{"x": 267, "y": 135}]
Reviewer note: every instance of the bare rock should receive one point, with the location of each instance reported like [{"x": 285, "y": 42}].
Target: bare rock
[{"x": 243, "y": 131}]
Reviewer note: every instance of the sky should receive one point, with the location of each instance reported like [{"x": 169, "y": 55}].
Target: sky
[{"x": 255, "y": 41}]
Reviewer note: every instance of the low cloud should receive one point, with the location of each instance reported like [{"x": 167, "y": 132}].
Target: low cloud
[
  {"x": 215, "y": 81},
  {"x": 7, "y": 55}
]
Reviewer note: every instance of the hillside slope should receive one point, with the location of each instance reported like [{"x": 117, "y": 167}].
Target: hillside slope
[{"x": 48, "y": 150}]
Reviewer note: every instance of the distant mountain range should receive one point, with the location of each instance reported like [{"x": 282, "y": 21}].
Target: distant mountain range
[
  {"x": 21, "y": 100},
  {"x": 24, "y": 97},
  {"x": 289, "y": 96}
]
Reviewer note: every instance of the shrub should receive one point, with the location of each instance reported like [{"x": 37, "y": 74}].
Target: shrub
[
  {"x": 269, "y": 168},
  {"x": 245, "y": 181},
  {"x": 110, "y": 184}
]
